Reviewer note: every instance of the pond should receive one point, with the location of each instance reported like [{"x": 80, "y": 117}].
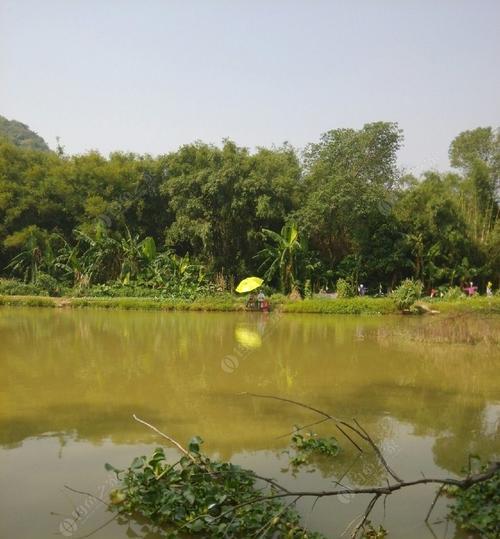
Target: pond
[{"x": 70, "y": 381}]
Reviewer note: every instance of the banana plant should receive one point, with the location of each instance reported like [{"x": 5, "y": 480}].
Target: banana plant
[
  {"x": 101, "y": 256},
  {"x": 280, "y": 255},
  {"x": 27, "y": 263}
]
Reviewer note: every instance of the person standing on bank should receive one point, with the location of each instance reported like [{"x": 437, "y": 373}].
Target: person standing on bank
[{"x": 261, "y": 298}]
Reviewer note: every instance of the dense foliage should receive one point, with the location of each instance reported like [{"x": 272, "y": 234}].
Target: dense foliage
[
  {"x": 201, "y": 217},
  {"x": 200, "y": 496},
  {"x": 407, "y": 293},
  {"x": 478, "y": 507}
]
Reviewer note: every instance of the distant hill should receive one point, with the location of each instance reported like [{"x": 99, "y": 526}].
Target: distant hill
[{"x": 21, "y": 135}]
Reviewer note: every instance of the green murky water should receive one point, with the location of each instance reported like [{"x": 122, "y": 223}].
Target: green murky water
[{"x": 71, "y": 380}]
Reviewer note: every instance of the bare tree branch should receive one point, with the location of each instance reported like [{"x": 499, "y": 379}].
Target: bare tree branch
[
  {"x": 171, "y": 440},
  {"x": 337, "y": 421},
  {"x": 358, "y": 429},
  {"x": 376, "y": 491},
  {"x": 309, "y": 425},
  {"x": 368, "y": 510},
  {"x": 267, "y": 525},
  {"x": 438, "y": 493},
  {"x": 272, "y": 482},
  {"x": 377, "y": 451},
  {"x": 87, "y": 494}
]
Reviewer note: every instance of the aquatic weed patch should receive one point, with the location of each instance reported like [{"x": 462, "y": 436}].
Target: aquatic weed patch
[
  {"x": 309, "y": 445},
  {"x": 200, "y": 496}
]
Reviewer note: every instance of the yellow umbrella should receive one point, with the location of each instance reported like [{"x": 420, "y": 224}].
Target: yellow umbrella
[{"x": 249, "y": 284}]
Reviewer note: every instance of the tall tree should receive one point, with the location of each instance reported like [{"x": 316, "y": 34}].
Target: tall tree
[
  {"x": 435, "y": 235},
  {"x": 477, "y": 154},
  {"x": 220, "y": 198},
  {"x": 348, "y": 174}
]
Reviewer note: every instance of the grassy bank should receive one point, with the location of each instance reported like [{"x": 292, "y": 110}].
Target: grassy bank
[
  {"x": 211, "y": 303},
  {"x": 226, "y": 302},
  {"x": 478, "y": 304},
  {"x": 356, "y": 305}
]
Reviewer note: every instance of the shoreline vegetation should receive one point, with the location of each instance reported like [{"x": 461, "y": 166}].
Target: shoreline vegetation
[
  {"x": 230, "y": 303},
  {"x": 338, "y": 217}
]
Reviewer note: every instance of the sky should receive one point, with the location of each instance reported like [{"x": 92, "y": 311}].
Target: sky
[{"x": 150, "y": 75}]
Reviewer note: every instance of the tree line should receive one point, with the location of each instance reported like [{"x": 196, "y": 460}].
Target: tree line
[{"x": 339, "y": 209}]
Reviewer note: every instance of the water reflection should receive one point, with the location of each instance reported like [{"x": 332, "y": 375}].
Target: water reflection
[
  {"x": 80, "y": 375},
  {"x": 248, "y": 338}
]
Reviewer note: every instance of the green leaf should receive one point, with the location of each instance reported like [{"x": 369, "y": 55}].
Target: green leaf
[
  {"x": 138, "y": 462},
  {"x": 196, "y": 526},
  {"x": 190, "y": 497},
  {"x": 194, "y": 444}
]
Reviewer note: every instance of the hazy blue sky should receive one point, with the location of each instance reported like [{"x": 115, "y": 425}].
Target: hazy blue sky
[{"x": 150, "y": 75}]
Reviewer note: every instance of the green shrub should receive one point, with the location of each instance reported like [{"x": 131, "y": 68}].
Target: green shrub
[
  {"x": 45, "y": 285},
  {"x": 345, "y": 289},
  {"x": 13, "y": 287},
  {"x": 48, "y": 284},
  {"x": 407, "y": 293},
  {"x": 454, "y": 292}
]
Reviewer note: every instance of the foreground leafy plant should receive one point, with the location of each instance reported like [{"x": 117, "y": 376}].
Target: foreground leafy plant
[
  {"x": 200, "y": 496},
  {"x": 478, "y": 507},
  {"x": 218, "y": 499}
]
